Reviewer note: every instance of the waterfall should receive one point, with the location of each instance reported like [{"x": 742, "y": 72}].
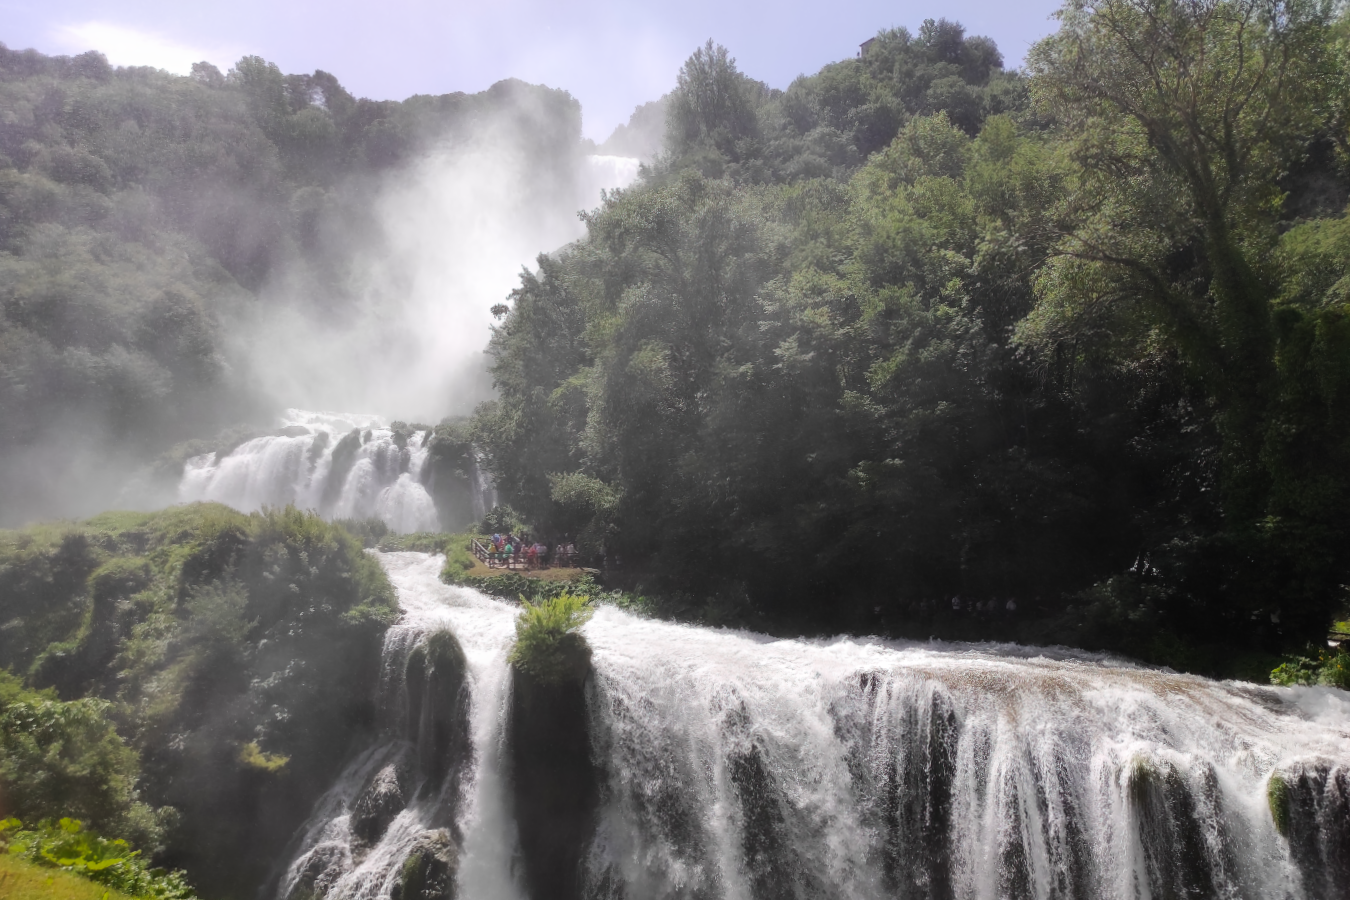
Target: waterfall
[
  {"x": 744, "y": 767},
  {"x": 342, "y": 465},
  {"x": 347, "y": 853},
  {"x": 740, "y": 766},
  {"x": 607, "y": 173},
  {"x": 483, "y": 488}
]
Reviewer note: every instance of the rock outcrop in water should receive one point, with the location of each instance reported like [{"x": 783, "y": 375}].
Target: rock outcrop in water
[{"x": 554, "y": 778}]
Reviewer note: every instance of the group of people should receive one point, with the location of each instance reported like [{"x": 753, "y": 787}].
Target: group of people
[
  {"x": 964, "y": 607},
  {"x": 511, "y": 552}
]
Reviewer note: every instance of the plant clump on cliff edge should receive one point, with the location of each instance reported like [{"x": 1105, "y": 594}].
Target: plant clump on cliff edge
[{"x": 549, "y": 646}]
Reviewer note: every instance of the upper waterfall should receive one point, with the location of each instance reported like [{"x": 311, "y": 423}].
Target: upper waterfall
[{"x": 343, "y": 465}]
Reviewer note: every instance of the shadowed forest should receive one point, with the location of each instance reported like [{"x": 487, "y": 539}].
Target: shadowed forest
[{"x": 919, "y": 327}]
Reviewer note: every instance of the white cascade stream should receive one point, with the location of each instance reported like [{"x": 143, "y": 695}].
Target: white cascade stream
[
  {"x": 340, "y": 865},
  {"x": 742, "y": 766},
  {"x": 374, "y": 479}
]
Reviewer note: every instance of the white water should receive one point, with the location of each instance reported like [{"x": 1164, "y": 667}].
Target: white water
[
  {"x": 858, "y": 768},
  {"x": 607, "y": 173},
  {"x": 741, "y": 766},
  {"x": 384, "y": 481},
  {"x": 485, "y": 628}
]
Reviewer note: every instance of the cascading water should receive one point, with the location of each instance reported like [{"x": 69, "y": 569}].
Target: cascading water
[
  {"x": 744, "y": 767},
  {"x": 434, "y": 782},
  {"x": 740, "y": 766},
  {"x": 345, "y": 466},
  {"x": 610, "y": 172}
]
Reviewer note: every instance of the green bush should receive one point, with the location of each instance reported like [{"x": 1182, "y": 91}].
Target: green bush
[
  {"x": 67, "y": 758},
  {"x": 370, "y": 532},
  {"x": 67, "y": 845},
  {"x": 548, "y": 645},
  {"x": 502, "y": 520},
  {"x": 1323, "y": 666},
  {"x": 227, "y": 643},
  {"x": 515, "y": 586}
]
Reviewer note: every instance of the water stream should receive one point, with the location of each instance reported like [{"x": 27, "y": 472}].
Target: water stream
[{"x": 742, "y": 766}]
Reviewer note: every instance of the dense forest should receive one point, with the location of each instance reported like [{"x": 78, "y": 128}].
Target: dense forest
[{"x": 921, "y": 328}]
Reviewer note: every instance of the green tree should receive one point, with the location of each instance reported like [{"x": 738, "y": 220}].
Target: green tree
[
  {"x": 66, "y": 759},
  {"x": 1181, "y": 116}
]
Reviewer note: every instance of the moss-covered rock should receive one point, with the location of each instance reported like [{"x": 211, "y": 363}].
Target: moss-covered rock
[
  {"x": 557, "y": 783},
  {"x": 1310, "y": 805},
  {"x": 428, "y": 872},
  {"x": 438, "y": 706},
  {"x": 344, "y": 457},
  {"x": 1172, "y": 826},
  {"x": 1277, "y": 799}
]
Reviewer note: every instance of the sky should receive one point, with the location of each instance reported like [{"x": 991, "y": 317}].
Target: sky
[{"x": 611, "y": 55}]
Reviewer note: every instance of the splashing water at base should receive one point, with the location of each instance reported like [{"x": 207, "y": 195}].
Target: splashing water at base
[{"x": 740, "y": 766}]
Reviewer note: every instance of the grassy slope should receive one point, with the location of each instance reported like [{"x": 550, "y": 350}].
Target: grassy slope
[{"x": 23, "y": 880}]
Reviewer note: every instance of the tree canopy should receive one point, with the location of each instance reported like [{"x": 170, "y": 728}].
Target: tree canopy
[{"x": 919, "y": 327}]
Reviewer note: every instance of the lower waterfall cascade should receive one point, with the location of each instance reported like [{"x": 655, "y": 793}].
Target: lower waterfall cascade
[{"x": 737, "y": 765}]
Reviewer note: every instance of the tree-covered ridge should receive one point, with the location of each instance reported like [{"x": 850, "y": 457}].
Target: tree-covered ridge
[
  {"x": 203, "y": 675},
  {"x": 1074, "y": 337},
  {"x": 144, "y": 215}
]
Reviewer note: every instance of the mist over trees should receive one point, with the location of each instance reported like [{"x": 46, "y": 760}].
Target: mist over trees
[
  {"x": 146, "y": 217},
  {"x": 919, "y": 326}
]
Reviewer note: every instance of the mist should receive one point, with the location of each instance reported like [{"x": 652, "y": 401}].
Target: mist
[
  {"x": 202, "y": 253},
  {"x": 452, "y": 232}
]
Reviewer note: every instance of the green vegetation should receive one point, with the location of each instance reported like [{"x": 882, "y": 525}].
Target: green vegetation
[
  {"x": 192, "y": 679},
  {"x": 1321, "y": 665},
  {"x": 68, "y": 846},
  {"x": 23, "y": 880},
  {"x": 919, "y": 328},
  {"x": 548, "y": 644},
  {"x": 1277, "y": 798}
]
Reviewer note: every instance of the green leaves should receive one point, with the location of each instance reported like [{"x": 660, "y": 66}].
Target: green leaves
[
  {"x": 547, "y": 645},
  {"x": 66, "y": 757},
  {"x": 68, "y": 845}
]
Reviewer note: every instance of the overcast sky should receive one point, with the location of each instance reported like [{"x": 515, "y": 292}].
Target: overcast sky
[{"x": 610, "y": 55}]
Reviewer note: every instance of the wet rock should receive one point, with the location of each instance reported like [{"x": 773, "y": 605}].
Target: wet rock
[
  {"x": 556, "y": 782},
  {"x": 438, "y": 709},
  {"x": 319, "y": 870},
  {"x": 381, "y": 801},
  {"x": 1310, "y": 805},
  {"x": 429, "y": 869}
]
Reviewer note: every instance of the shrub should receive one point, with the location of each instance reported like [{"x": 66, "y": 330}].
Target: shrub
[
  {"x": 67, "y": 758},
  {"x": 1323, "y": 666},
  {"x": 370, "y": 532},
  {"x": 502, "y": 520},
  {"x": 548, "y": 646},
  {"x": 421, "y": 542}
]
